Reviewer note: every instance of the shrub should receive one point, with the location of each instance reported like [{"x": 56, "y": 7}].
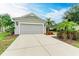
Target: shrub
[
  {"x": 67, "y": 27},
  {"x": 7, "y": 23}
]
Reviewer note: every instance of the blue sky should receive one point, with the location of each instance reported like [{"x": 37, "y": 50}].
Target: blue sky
[
  {"x": 46, "y": 7},
  {"x": 53, "y": 10}
]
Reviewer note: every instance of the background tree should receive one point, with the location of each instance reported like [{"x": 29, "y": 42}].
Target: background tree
[
  {"x": 73, "y": 14},
  {"x": 49, "y": 23},
  {"x": 0, "y": 23},
  {"x": 7, "y": 23}
]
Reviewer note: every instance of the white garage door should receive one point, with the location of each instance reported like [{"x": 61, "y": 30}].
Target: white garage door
[{"x": 31, "y": 28}]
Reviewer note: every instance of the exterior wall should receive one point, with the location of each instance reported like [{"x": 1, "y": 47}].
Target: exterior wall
[
  {"x": 16, "y": 28},
  {"x": 44, "y": 29}
]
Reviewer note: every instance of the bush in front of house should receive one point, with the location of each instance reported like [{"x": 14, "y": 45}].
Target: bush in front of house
[{"x": 7, "y": 23}]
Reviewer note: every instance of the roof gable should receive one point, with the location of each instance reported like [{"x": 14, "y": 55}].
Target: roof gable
[{"x": 29, "y": 18}]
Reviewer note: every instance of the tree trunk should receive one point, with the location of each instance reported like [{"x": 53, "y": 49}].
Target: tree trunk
[
  {"x": 47, "y": 30},
  {"x": 60, "y": 35},
  {"x": 64, "y": 35}
]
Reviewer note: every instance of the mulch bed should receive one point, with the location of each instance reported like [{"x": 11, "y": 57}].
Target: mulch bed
[
  {"x": 10, "y": 37},
  {"x": 69, "y": 41}
]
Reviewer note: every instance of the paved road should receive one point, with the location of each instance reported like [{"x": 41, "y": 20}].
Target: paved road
[{"x": 40, "y": 45}]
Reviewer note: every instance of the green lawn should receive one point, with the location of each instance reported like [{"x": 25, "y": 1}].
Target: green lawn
[
  {"x": 76, "y": 44},
  {"x": 4, "y": 44},
  {"x": 5, "y": 40},
  {"x": 3, "y": 35}
]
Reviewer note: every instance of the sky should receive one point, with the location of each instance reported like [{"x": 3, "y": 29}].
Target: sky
[{"x": 44, "y": 10}]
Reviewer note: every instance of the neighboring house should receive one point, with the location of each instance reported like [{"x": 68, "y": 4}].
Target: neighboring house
[{"x": 29, "y": 24}]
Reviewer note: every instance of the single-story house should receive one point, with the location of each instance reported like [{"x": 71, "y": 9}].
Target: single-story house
[{"x": 29, "y": 24}]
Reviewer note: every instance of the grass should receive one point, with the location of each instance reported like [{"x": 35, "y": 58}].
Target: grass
[
  {"x": 5, "y": 41},
  {"x": 3, "y": 35},
  {"x": 76, "y": 44}
]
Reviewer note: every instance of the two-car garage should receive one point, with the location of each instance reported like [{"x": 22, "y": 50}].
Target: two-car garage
[{"x": 32, "y": 28}]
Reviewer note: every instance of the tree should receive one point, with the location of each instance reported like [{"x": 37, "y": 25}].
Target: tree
[
  {"x": 73, "y": 14},
  {"x": 67, "y": 27},
  {"x": 49, "y": 23},
  {"x": 7, "y": 23},
  {"x": 0, "y": 24}
]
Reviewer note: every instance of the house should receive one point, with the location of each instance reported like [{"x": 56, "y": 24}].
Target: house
[{"x": 29, "y": 24}]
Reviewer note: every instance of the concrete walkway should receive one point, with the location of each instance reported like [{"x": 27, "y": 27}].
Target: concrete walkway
[{"x": 40, "y": 45}]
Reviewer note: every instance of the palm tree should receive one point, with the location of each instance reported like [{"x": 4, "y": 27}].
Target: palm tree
[
  {"x": 49, "y": 23},
  {"x": 66, "y": 27}
]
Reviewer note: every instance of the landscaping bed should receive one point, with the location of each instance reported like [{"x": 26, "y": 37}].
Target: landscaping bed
[
  {"x": 73, "y": 42},
  {"x": 5, "y": 41}
]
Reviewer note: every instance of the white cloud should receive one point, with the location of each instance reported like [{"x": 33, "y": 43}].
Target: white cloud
[
  {"x": 38, "y": 12},
  {"x": 57, "y": 15},
  {"x": 15, "y": 10}
]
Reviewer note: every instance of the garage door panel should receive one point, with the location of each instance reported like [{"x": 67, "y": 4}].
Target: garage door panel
[{"x": 31, "y": 28}]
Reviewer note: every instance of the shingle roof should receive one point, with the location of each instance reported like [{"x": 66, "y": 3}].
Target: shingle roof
[{"x": 29, "y": 18}]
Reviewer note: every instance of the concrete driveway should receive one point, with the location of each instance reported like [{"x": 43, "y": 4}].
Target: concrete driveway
[{"x": 39, "y": 45}]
